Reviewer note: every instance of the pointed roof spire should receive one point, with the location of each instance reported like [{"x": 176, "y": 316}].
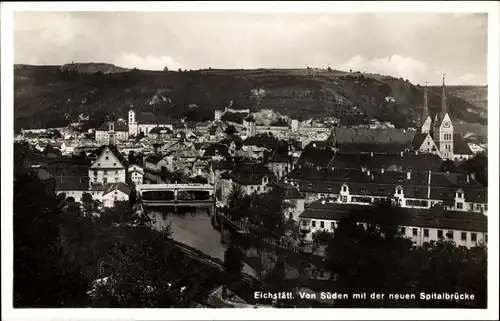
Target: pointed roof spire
[
  {"x": 444, "y": 108},
  {"x": 425, "y": 113}
]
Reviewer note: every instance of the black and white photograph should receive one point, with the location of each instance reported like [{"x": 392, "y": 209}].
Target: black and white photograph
[{"x": 256, "y": 158}]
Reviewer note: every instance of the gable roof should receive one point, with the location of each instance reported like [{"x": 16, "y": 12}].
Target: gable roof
[
  {"x": 118, "y": 186},
  {"x": 418, "y": 140},
  {"x": 373, "y": 140},
  {"x": 416, "y": 162},
  {"x": 153, "y": 159},
  {"x": 115, "y": 152},
  {"x": 71, "y": 183},
  {"x": 460, "y": 147},
  {"x": 312, "y": 157},
  {"x": 119, "y": 126}
]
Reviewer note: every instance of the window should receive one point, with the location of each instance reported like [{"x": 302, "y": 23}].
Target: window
[
  {"x": 450, "y": 235},
  {"x": 486, "y": 238},
  {"x": 322, "y": 224},
  {"x": 116, "y": 179},
  {"x": 398, "y": 191},
  {"x": 107, "y": 158},
  {"x": 105, "y": 180},
  {"x": 478, "y": 207},
  {"x": 415, "y": 232},
  {"x": 426, "y": 232},
  {"x": 463, "y": 236},
  {"x": 403, "y": 230},
  {"x": 116, "y": 172},
  {"x": 313, "y": 223},
  {"x": 473, "y": 237},
  {"x": 99, "y": 164},
  {"x": 114, "y": 164},
  {"x": 344, "y": 188},
  {"x": 460, "y": 195},
  {"x": 471, "y": 207},
  {"x": 344, "y": 199},
  {"x": 116, "y": 197},
  {"x": 460, "y": 205},
  {"x": 332, "y": 225},
  {"x": 440, "y": 234},
  {"x": 485, "y": 207}
]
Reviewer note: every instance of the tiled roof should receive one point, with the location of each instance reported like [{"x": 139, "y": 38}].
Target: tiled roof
[
  {"x": 159, "y": 130},
  {"x": 119, "y": 126},
  {"x": 460, "y": 147},
  {"x": 153, "y": 159},
  {"x": 115, "y": 152},
  {"x": 118, "y": 186},
  {"x": 418, "y": 140},
  {"x": 216, "y": 150},
  {"x": 261, "y": 140},
  {"x": 150, "y": 118},
  {"x": 416, "y": 162},
  {"x": 72, "y": 183},
  {"x": 442, "y": 186},
  {"x": 313, "y": 157},
  {"x": 249, "y": 173},
  {"x": 372, "y": 136}
]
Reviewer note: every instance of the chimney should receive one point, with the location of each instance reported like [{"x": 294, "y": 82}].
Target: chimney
[
  {"x": 368, "y": 172},
  {"x": 401, "y": 153},
  {"x": 408, "y": 174},
  {"x": 363, "y": 169},
  {"x": 468, "y": 178},
  {"x": 473, "y": 176},
  {"x": 371, "y": 154},
  {"x": 382, "y": 170},
  {"x": 322, "y": 201},
  {"x": 373, "y": 177}
]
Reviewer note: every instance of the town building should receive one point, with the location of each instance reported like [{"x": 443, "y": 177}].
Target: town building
[
  {"x": 111, "y": 133},
  {"x": 455, "y": 192},
  {"x": 420, "y": 225},
  {"x": 136, "y": 174},
  {"x": 144, "y": 122},
  {"x": 109, "y": 167}
]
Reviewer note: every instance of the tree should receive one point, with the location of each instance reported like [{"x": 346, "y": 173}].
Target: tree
[
  {"x": 377, "y": 258},
  {"x": 233, "y": 263},
  {"x": 44, "y": 275},
  {"x": 165, "y": 69}
]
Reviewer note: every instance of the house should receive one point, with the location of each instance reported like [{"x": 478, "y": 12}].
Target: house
[
  {"x": 68, "y": 147},
  {"x": 455, "y": 192},
  {"x": 476, "y": 148},
  {"x": 109, "y": 167},
  {"x": 111, "y": 133},
  {"x": 420, "y": 225},
  {"x": 114, "y": 193},
  {"x": 251, "y": 177},
  {"x": 278, "y": 160},
  {"x": 136, "y": 174}
]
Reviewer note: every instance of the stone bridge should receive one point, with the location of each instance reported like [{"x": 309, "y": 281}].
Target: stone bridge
[{"x": 175, "y": 192}]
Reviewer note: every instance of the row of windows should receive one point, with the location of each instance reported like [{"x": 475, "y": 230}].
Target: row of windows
[
  {"x": 447, "y": 137},
  {"x": 105, "y": 179},
  {"x": 106, "y": 172},
  {"x": 321, "y": 224},
  {"x": 449, "y": 235}
]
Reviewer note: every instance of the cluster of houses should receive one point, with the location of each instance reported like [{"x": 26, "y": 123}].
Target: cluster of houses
[{"x": 324, "y": 172}]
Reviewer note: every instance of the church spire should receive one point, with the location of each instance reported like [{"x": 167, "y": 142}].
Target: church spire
[
  {"x": 444, "y": 108},
  {"x": 425, "y": 113}
]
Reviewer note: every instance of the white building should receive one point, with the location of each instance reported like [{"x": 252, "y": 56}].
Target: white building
[
  {"x": 136, "y": 174},
  {"x": 420, "y": 226},
  {"x": 145, "y": 122},
  {"x": 109, "y": 167},
  {"x": 111, "y": 133}
]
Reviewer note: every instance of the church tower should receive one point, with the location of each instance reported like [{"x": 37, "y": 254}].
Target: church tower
[
  {"x": 443, "y": 129},
  {"x": 132, "y": 123},
  {"x": 426, "y": 118}
]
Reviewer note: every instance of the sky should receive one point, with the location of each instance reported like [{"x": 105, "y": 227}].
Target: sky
[{"x": 420, "y": 47}]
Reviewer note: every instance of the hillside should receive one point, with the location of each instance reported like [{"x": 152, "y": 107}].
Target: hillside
[
  {"x": 473, "y": 94},
  {"x": 51, "y": 96}
]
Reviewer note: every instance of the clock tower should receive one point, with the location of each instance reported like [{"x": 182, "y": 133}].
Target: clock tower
[{"x": 443, "y": 133}]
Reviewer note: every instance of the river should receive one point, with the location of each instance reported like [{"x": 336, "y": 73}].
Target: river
[{"x": 192, "y": 226}]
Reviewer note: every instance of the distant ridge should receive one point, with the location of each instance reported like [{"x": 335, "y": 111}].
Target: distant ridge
[{"x": 92, "y": 68}]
